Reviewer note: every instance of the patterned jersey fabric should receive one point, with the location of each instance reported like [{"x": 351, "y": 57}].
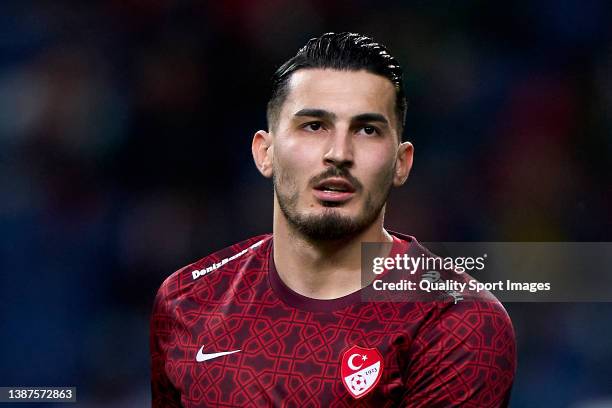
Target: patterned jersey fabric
[{"x": 227, "y": 332}]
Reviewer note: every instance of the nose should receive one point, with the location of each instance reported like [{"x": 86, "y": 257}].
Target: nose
[{"x": 340, "y": 150}]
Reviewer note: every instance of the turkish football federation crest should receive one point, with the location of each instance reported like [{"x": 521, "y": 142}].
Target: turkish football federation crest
[{"x": 361, "y": 368}]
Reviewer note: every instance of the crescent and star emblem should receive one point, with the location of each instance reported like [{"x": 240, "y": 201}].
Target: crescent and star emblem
[
  {"x": 352, "y": 365},
  {"x": 360, "y": 370}
]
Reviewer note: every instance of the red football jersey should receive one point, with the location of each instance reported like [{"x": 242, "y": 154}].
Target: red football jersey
[{"x": 227, "y": 332}]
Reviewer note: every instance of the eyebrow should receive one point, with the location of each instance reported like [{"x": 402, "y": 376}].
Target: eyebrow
[
  {"x": 323, "y": 114},
  {"x": 316, "y": 113},
  {"x": 370, "y": 117}
]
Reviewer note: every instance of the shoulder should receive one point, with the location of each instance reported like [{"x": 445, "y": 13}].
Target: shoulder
[
  {"x": 468, "y": 347},
  {"x": 184, "y": 280},
  {"x": 458, "y": 316},
  {"x": 448, "y": 276},
  {"x": 473, "y": 323},
  {"x": 484, "y": 320}
]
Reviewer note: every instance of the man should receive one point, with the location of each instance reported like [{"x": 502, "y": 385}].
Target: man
[{"x": 281, "y": 319}]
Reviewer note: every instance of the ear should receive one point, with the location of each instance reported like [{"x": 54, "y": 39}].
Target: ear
[
  {"x": 403, "y": 163},
  {"x": 263, "y": 152}
]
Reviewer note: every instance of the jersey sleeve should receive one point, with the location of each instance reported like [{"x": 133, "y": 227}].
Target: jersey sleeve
[
  {"x": 163, "y": 392},
  {"x": 465, "y": 355}
]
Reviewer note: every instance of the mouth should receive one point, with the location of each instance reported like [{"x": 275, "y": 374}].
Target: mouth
[{"x": 334, "y": 189}]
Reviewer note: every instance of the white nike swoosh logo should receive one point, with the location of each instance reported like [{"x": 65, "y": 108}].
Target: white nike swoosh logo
[{"x": 203, "y": 357}]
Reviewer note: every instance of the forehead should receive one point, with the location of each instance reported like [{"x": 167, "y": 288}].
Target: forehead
[{"x": 340, "y": 92}]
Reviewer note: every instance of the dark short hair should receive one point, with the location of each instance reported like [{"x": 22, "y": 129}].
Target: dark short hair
[{"x": 340, "y": 51}]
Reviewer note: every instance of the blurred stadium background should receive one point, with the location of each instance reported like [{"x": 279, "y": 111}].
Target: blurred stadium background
[{"x": 125, "y": 131}]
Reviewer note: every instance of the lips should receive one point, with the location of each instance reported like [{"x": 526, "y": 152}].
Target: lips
[{"x": 334, "y": 189}]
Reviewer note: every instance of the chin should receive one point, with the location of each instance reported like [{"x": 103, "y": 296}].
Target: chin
[{"x": 334, "y": 209}]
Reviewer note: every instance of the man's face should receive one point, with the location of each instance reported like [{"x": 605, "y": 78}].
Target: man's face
[{"x": 335, "y": 150}]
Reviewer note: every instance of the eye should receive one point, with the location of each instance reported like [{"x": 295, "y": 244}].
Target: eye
[
  {"x": 312, "y": 126},
  {"x": 369, "y": 130}
]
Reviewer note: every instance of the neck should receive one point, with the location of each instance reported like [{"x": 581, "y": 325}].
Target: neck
[{"x": 321, "y": 269}]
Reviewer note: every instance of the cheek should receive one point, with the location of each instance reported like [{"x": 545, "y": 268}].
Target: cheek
[
  {"x": 295, "y": 161},
  {"x": 378, "y": 170}
]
